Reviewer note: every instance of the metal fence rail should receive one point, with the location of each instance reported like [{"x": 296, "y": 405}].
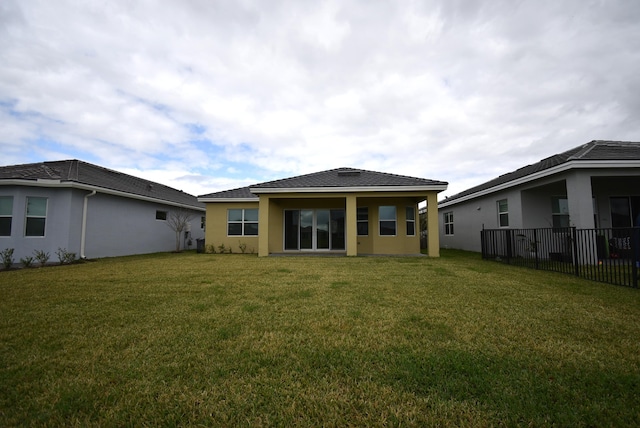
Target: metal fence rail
[{"x": 605, "y": 255}]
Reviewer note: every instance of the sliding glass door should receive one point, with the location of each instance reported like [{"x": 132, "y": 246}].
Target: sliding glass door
[{"x": 311, "y": 230}]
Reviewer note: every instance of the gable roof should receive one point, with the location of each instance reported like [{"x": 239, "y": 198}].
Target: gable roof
[
  {"x": 333, "y": 180},
  {"x": 79, "y": 174},
  {"x": 596, "y": 153}
]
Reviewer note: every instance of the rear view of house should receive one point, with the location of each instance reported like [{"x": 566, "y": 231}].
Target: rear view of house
[
  {"x": 89, "y": 210},
  {"x": 343, "y": 211}
]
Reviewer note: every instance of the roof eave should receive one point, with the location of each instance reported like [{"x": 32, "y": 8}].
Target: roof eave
[
  {"x": 89, "y": 187},
  {"x": 574, "y": 164},
  {"x": 351, "y": 189},
  {"x": 210, "y": 200}
]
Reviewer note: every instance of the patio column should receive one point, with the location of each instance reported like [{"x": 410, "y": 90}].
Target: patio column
[
  {"x": 580, "y": 199},
  {"x": 351, "y": 226},
  {"x": 263, "y": 226},
  {"x": 433, "y": 237}
]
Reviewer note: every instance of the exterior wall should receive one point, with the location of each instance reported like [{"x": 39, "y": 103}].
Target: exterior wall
[
  {"x": 536, "y": 204},
  {"x": 115, "y": 225},
  {"x": 64, "y": 212},
  {"x": 216, "y": 233},
  {"x": 470, "y": 217},
  {"x": 119, "y": 226}
]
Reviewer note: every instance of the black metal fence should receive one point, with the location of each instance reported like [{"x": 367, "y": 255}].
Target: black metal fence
[{"x": 605, "y": 255}]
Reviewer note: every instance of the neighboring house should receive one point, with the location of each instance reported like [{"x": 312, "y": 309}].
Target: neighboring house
[
  {"x": 596, "y": 185},
  {"x": 89, "y": 210},
  {"x": 344, "y": 211}
]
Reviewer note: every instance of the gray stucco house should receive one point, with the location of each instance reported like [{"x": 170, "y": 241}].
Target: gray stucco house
[
  {"x": 89, "y": 210},
  {"x": 595, "y": 185}
]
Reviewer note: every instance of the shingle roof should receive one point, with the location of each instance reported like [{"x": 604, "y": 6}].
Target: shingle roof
[
  {"x": 597, "y": 150},
  {"x": 346, "y": 177},
  {"x": 241, "y": 193},
  {"x": 75, "y": 171}
]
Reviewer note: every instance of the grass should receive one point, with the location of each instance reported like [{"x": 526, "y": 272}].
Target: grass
[{"x": 236, "y": 340}]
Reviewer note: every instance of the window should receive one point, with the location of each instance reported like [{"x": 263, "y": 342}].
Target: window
[
  {"x": 242, "y": 222},
  {"x": 6, "y": 213},
  {"x": 503, "y": 213},
  {"x": 387, "y": 218},
  {"x": 363, "y": 221},
  {"x": 411, "y": 221},
  {"x": 560, "y": 212},
  {"x": 203, "y": 222},
  {"x": 448, "y": 223},
  {"x": 161, "y": 215},
  {"x": 625, "y": 211},
  {"x": 36, "y": 216}
]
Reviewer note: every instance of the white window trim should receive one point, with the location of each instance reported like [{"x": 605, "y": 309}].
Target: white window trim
[
  {"x": 413, "y": 220},
  {"x": 448, "y": 221},
  {"x": 395, "y": 221},
  {"x": 501, "y": 213},
  {"x": 362, "y": 221},
  {"x": 27, "y": 216},
  {"x": 243, "y": 222},
  {"x": 10, "y": 216}
]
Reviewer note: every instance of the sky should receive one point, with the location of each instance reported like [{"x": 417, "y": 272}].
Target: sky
[{"x": 208, "y": 95}]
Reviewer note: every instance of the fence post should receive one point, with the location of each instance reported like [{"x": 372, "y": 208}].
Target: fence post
[
  {"x": 509, "y": 247},
  {"x": 574, "y": 245},
  {"x": 537, "y": 247},
  {"x": 635, "y": 263}
]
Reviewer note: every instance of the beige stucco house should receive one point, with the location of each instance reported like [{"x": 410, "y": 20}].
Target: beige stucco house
[{"x": 342, "y": 211}]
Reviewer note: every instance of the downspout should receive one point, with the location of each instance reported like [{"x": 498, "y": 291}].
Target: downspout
[{"x": 83, "y": 233}]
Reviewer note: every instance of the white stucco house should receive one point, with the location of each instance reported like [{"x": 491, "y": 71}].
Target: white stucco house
[
  {"x": 594, "y": 185},
  {"x": 89, "y": 210}
]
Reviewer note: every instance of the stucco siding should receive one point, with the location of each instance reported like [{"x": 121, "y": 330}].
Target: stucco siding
[
  {"x": 217, "y": 233},
  {"x": 121, "y": 226},
  {"x": 470, "y": 217},
  {"x": 61, "y": 215}
]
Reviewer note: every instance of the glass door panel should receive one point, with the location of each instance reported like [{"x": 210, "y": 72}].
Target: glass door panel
[
  {"x": 337, "y": 230},
  {"x": 291, "y": 229},
  {"x": 322, "y": 229},
  {"x": 306, "y": 229}
]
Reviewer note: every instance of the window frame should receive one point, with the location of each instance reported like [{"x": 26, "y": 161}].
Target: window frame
[
  {"x": 447, "y": 221},
  {"x": 410, "y": 222},
  {"x": 243, "y": 222},
  {"x": 382, "y": 220},
  {"x": 29, "y": 216},
  {"x": 503, "y": 214},
  {"x": 559, "y": 214},
  {"x": 361, "y": 222},
  {"x": 7, "y": 216}
]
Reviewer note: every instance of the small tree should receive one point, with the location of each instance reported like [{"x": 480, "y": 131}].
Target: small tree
[{"x": 178, "y": 221}]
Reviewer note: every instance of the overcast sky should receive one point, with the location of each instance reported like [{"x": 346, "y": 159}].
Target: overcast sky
[{"x": 211, "y": 95}]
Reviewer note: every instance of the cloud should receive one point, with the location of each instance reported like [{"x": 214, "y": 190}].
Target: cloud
[{"x": 449, "y": 90}]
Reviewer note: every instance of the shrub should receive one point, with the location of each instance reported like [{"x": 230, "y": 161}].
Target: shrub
[
  {"x": 210, "y": 249},
  {"x": 243, "y": 247},
  {"x": 41, "y": 256},
  {"x": 7, "y": 257},
  {"x": 65, "y": 256},
  {"x": 26, "y": 261},
  {"x": 221, "y": 248}
]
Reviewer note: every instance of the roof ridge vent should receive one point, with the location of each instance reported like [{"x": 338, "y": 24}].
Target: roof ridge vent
[{"x": 348, "y": 173}]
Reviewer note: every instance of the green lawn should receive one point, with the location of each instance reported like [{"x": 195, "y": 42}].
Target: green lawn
[{"x": 237, "y": 340}]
